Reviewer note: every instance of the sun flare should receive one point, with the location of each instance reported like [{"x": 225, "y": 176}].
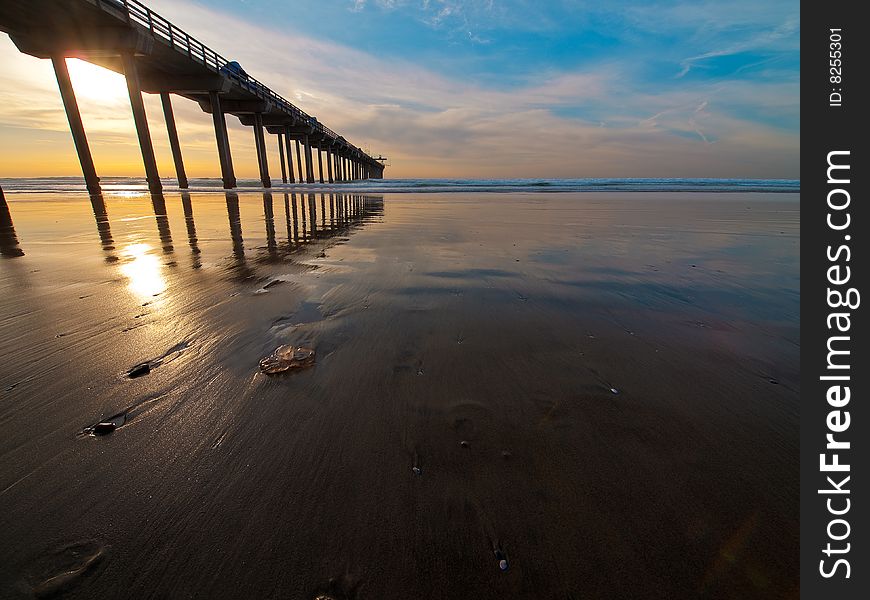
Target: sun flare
[{"x": 93, "y": 82}]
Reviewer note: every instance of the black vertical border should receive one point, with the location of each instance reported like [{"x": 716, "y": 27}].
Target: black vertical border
[{"x": 826, "y": 128}]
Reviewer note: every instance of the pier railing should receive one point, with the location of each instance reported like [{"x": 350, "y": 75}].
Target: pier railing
[{"x": 163, "y": 30}]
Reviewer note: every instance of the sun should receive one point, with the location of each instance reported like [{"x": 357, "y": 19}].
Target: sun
[{"x": 93, "y": 82}]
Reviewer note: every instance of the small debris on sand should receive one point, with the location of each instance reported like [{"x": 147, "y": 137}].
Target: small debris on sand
[
  {"x": 103, "y": 428},
  {"x": 502, "y": 561},
  {"x": 285, "y": 358},
  {"x": 139, "y": 370}
]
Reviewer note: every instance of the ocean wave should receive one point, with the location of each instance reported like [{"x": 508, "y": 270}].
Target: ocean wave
[{"x": 138, "y": 184}]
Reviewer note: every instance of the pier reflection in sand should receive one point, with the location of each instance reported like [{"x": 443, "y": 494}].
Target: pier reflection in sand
[{"x": 8, "y": 240}]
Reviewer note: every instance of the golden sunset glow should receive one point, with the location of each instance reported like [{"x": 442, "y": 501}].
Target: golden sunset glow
[{"x": 94, "y": 83}]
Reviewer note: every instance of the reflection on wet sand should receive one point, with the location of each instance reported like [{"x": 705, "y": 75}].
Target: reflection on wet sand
[
  {"x": 8, "y": 240},
  {"x": 269, "y": 216},
  {"x": 144, "y": 271},
  {"x": 337, "y": 216},
  {"x": 292, "y": 224},
  {"x": 159, "y": 204},
  {"x": 104, "y": 229},
  {"x": 599, "y": 391},
  {"x": 191, "y": 229},
  {"x": 301, "y": 218}
]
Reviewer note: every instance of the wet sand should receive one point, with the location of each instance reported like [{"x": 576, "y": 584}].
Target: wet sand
[{"x": 623, "y": 370}]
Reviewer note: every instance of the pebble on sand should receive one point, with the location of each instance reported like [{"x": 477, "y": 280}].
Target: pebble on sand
[
  {"x": 103, "y": 428},
  {"x": 417, "y": 470},
  {"x": 464, "y": 444},
  {"x": 285, "y": 358},
  {"x": 139, "y": 370},
  {"x": 502, "y": 560}
]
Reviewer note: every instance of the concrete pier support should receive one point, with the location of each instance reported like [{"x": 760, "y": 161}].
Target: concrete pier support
[
  {"x": 223, "y": 141},
  {"x": 281, "y": 156},
  {"x": 299, "y": 161},
  {"x": 135, "y": 92},
  {"x": 174, "y": 144},
  {"x": 320, "y": 163},
  {"x": 75, "y": 124},
  {"x": 289, "y": 151},
  {"x": 260, "y": 144},
  {"x": 309, "y": 166},
  {"x": 329, "y": 165},
  {"x": 287, "y": 147}
]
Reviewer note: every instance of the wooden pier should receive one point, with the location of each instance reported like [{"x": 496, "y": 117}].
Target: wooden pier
[{"x": 157, "y": 57}]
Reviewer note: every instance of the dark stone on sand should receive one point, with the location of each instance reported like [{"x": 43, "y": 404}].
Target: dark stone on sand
[
  {"x": 417, "y": 470},
  {"x": 139, "y": 370},
  {"x": 104, "y": 428},
  {"x": 464, "y": 444}
]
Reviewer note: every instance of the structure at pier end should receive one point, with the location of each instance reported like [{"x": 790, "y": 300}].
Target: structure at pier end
[{"x": 157, "y": 57}]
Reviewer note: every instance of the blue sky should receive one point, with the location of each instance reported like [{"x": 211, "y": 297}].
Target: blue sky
[{"x": 496, "y": 87}]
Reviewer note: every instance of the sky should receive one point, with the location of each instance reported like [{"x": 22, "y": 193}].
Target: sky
[{"x": 459, "y": 88}]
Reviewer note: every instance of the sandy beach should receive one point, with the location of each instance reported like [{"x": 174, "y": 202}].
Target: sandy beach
[{"x": 600, "y": 389}]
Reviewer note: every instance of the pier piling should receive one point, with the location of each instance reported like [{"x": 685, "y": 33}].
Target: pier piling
[
  {"x": 281, "y": 157},
  {"x": 320, "y": 162},
  {"x": 309, "y": 167},
  {"x": 262, "y": 158},
  {"x": 174, "y": 144},
  {"x": 299, "y": 161},
  {"x": 75, "y": 123},
  {"x": 139, "y": 118},
  {"x": 223, "y": 141},
  {"x": 287, "y": 146}
]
